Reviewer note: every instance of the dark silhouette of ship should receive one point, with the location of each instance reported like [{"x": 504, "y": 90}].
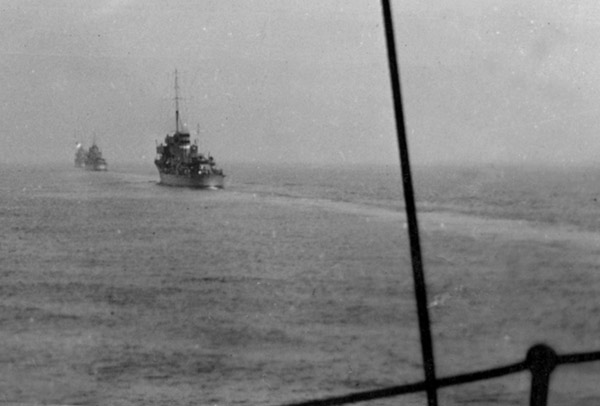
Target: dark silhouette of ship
[
  {"x": 180, "y": 163},
  {"x": 91, "y": 159},
  {"x": 94, "y": 160}
]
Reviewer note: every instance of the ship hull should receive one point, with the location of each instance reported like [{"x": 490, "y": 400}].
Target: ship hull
[
  {"x": 208, "y": 181},
  {"x": 97, "y": 168}
]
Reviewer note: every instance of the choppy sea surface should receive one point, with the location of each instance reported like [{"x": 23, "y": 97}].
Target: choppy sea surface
[{"x": 293, "y": 283}]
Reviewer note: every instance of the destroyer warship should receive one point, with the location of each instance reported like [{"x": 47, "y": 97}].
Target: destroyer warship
[
  {"x": 91, "y": 159},
  {"x": 180, "y": 163},
  {"x": 80, "y": 155},
  {"x": 94, "y": 160}
]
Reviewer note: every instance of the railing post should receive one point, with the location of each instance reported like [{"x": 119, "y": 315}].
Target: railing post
[{"x": 541, "y": 360}]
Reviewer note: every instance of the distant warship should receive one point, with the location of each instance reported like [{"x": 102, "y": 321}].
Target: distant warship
[
  {"x": 91, "y": 159},
  {"x": 94, "y": 160},
  {"x": 80, "y": 155},
  {"x": 180, "y": 163}
]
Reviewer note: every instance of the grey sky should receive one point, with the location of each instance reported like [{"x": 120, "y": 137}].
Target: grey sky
[{"x": 301, "y": 80}]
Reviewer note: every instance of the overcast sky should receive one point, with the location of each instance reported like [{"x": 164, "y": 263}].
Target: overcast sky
[{"x": 301, "y": 80}]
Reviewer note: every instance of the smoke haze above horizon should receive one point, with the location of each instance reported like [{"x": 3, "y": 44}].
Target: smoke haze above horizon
[{"x": 296, "y": 81}]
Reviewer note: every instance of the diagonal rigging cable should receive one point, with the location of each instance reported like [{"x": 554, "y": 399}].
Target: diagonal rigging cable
[{"x": 411, "y": 212}]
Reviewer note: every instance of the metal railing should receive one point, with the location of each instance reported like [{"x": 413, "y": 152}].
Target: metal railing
[{"x": 540, "y": 360}]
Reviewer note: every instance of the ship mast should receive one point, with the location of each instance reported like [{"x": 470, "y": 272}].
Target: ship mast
[{"x": 176, "y": 104}]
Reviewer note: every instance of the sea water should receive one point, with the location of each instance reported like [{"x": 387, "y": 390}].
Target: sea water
[{"x": 293, "y": 283}]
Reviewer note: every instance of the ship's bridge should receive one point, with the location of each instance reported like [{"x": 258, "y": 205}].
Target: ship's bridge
[{"x": 182, "y": 139}]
